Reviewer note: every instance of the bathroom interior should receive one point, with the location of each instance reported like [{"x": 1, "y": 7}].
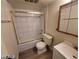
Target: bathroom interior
[{"x": 39, "y": 29}]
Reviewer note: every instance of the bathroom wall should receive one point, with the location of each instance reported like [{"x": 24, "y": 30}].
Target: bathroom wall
[
  {"x": 27, "y": 6},
  {"x": 21, "y": 4},
  {"x": 8, "y": 39},
  {"x": 24, "y": 6},
  {"x": 51, "y": 22},
  {"x": 3, "y": 48}
]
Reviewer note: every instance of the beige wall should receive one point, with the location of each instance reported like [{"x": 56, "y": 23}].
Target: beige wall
[
  {"x": 27, "y": 7},
  {"x": 8, "y": 39},
  {"x": 19, "y": 4},
  {"x": 51, "y": 18},
  {"x": 3, "y": 48}
]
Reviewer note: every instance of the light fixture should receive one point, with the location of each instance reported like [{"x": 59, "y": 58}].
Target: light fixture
[{"x": 32, "y": 1}]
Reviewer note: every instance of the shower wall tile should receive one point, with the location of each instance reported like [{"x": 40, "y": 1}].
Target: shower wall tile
[{"x": 28, "y": 28}]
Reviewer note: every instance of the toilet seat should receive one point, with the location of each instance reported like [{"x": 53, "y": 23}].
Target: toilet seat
[{"x": 40, "y": 45}]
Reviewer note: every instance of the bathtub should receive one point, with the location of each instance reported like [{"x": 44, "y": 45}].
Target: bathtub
[{"x": 25, "y": 46}]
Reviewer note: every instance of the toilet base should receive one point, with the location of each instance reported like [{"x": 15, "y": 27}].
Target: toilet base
[{"x": 41, "y": 51}]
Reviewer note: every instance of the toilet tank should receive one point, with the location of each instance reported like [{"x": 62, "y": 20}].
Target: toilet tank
[{"x": 47, "y": 39}]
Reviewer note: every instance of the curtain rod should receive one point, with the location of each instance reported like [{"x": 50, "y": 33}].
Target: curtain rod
[{"x": 31, "y": 12}]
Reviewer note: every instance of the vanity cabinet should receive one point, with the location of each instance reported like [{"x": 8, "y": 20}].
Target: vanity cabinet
[
  {"x": 57, "y": 55},
  {"x": 64, "y": 51}
]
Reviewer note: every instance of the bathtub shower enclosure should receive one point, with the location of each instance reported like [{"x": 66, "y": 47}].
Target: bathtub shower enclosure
[{"x": 29, "y": 27}]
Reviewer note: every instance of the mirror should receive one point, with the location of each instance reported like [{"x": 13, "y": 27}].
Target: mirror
[{"x": 68, "y": 18}]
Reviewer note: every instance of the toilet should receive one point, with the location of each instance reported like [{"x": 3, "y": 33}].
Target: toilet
[{"x": 41, "y": 46}]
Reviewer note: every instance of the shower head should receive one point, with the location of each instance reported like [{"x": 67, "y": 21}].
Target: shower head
[{"x": 32, "y": 1}]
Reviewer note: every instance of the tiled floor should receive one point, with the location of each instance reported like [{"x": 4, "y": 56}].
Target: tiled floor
[{"x": 31, "y": 54}]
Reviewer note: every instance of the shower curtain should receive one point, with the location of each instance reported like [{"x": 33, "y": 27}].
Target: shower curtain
[{"x": 28, "y": 27}]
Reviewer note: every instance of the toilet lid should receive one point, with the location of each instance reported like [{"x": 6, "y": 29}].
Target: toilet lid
[{"x": 40, "y": 45}]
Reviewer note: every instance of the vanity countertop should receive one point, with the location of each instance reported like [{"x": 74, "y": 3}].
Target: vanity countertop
[{"x": 66, "y": 50}]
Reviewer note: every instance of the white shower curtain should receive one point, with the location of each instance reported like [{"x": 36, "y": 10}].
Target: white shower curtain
[{"x": 28, "y": 27}]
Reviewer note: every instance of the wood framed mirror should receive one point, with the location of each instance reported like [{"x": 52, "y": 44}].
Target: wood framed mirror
[{"x": 68, "y": 19}]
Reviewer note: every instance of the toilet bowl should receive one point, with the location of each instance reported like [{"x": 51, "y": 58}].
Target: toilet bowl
[{"x": 41, "y": 46}]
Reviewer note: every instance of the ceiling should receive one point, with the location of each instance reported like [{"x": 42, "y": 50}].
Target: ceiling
[
  {"x": 43, "y": 2},
  {"x": 22, "y": 3}
]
